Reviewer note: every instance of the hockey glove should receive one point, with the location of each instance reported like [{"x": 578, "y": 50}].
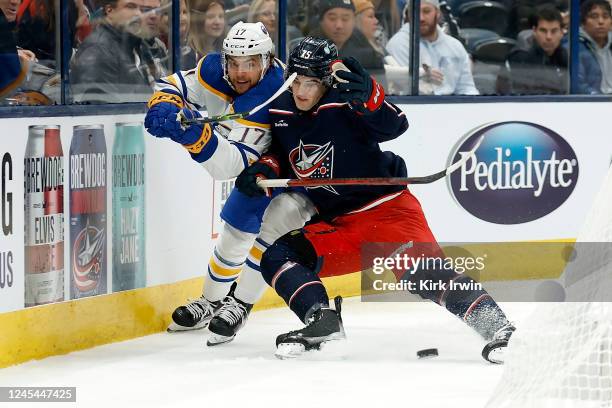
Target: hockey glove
[
  {"x": 163, "y": 106},
  {"x": 193, "y": 137},
  {"x": 156, "y": 118},
  {"x": 266, "y": 168},
  {"x": 358, "y": 88}
]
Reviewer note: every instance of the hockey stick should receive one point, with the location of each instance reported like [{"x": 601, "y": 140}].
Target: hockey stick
[
  {"x": 239, "y": 115},
  {"x": 371, "y": 181}
]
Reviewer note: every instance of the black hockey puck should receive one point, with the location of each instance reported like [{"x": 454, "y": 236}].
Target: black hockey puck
[{"x": 427, "y": 353}]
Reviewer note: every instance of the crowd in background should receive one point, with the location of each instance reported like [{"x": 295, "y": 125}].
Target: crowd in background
[{"x": 467, "y": 47}]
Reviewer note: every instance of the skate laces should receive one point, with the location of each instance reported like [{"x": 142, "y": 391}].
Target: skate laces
[
  {"x": 232, "y": 311},
  {"x": 199, "y": 307},
  {"x": 504, "y": 332}
]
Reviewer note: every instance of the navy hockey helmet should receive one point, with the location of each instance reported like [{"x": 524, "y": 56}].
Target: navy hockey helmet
[{"x": 313, "y": 57}]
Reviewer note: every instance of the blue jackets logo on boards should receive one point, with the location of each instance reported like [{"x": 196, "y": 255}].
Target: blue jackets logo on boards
[{"x": 521, "y": 172}]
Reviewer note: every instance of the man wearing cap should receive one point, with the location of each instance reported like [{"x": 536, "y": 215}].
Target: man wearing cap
[
  {"x": 445, "y": 65},
  {"x": 337, "y": 23}
]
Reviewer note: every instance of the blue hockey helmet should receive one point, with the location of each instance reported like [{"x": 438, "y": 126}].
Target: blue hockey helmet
[{"x": 313, "y": 57}]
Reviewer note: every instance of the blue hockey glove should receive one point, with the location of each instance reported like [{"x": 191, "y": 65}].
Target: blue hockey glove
[
  {"x": 157, "y": 116},
  {"x": 163, "y": 106},
  {"x": 266, "y": 168},
  {"x": 358, "y": 88},
  {"x": 194, "y": 137}
]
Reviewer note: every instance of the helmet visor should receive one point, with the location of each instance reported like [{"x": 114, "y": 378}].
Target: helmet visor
[{"x": 248, "y": 63}]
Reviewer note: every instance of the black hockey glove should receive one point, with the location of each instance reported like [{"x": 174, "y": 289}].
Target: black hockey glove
[
  {"x": 266, "y": 168},
  {"x": 358, "y": 88}
]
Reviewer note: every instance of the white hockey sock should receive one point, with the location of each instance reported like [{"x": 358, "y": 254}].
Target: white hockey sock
[
  {"x": 226, "y": 262},
  {"x": 251, "y": 285}
]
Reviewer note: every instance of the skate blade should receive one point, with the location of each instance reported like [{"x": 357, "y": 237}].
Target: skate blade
[
  {"x": 333, "y": 348},
  {"x": 176, "y": 328},
  {"x": 497, "y": 353},
  {"x": 497, "y": 356},
  {"x": 217, "y": 339},
  {"x": 288, "y": 351}
]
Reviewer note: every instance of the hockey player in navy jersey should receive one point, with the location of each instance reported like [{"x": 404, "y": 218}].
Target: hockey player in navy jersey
[
  {"x": 330, "y": 125},
  {"x": 240, "y": 78}
]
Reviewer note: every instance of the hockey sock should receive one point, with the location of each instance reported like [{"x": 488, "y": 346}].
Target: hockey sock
[
  {"x": 220, "y": 275},
  {"x": 300, "y": 288},
  {"x": 463, "y": 297},
  {"x": 226, "y": 262},
  {"x": 251, "y": 285},
  {"x": 288, "y": 266}
]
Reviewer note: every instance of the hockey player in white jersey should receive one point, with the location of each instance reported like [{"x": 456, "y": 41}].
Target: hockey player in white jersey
[{"x": 240, "y": 78}]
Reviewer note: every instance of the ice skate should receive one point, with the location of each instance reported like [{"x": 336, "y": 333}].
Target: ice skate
[
  {"x": 323, "y": 325},
  {"x": 194, "y": 315},
  {"x": 494, "y": 352},
  {"x": 231, "y": 317}
]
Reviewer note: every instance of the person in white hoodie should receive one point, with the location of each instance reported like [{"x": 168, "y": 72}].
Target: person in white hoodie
[{"x": 445, "y": 67}]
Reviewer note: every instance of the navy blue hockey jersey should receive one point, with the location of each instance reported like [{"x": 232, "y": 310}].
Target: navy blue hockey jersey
[{"x": 332, "y": 141}]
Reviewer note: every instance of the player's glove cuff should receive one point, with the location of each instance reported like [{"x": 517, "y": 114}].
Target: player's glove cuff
[
  {"x": 159, "y": 97},
  {"x": 199, "y": 144},
  {"x": 266, "y": 168},
  {"x": 269, "y": 166},
  {"x": 377, "y": 97}
]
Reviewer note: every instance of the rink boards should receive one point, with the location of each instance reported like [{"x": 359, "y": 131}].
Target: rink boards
[{"x": 546, "y": 159}]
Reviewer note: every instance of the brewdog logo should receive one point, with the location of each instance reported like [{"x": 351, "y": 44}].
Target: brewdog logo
[{"x": 521, "y": 172}]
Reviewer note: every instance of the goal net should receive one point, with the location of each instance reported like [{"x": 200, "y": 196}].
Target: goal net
[{"x": 562, "y": 355}]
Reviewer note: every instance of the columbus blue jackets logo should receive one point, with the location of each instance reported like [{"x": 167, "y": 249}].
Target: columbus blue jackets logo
[
  {"x": 88, "y": 253},
  {"x": 314, "y": 162}
]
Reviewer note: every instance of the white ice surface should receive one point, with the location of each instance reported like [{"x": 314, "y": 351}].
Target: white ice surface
[{"x": 376, "y": 366}]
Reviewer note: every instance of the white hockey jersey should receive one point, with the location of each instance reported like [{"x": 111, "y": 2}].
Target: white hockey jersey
[{"x": 236, "y": 144}]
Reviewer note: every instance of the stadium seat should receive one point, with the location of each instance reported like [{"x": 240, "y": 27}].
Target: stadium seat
[
  {"x": 489, "y": 52},
  {"x": 472, "y": 36},
  {"x": 493, "y": 50},
  {"x": 489, "y": 15}
]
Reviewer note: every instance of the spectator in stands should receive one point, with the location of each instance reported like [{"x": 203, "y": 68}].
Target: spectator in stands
[
  {"x": 542, "y": 67},
  {"x": 367, "y": 23},
  {"x": 337, "y": 23},
  {"x": 150, "y": 32},
  {"x": 521, "y": 12},
  {"x": 389, "y": 15},
  {"x": 207, "y": 27},
  {"x": 595, "y": 52},
  {"x": 36, "y": 27},
  {"x": 110, "y": 65},
  {"x": 13, "y": 67},
  {"x": 10, "y": 9},
  {"x": 445, "y": 65},
  {"x": 265, "y": 12},
  {"x": 188, "y": 55}
]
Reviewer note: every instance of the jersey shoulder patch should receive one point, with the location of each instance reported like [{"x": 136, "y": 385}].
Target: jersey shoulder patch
[{"x": 210, "y": 76}]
